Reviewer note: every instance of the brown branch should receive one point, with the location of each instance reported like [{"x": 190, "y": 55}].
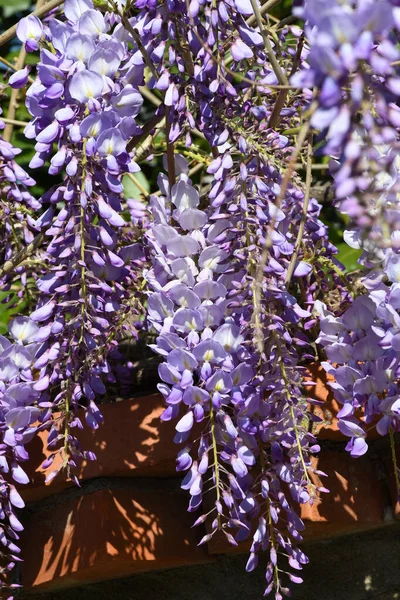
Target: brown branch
[
  {"x": 280, "y": 75},
  {"x": 136, "y": 37},
  {"x": 281, "y": 99},
  {"x": 14, "y": 122},
  {"x": 263, "y": 9},
  {"x": 12, "y": 106},
  {"x": 137, "y": 140},
  {"x": 170, "y": 153}
]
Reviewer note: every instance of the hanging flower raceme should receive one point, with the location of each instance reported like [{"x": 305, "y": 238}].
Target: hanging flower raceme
[
  {"x": 17, "y": 209},
  {"x": 353, "y": 68},
  {"x": 210, "y": 307},
  {"x": 85, "y": 101},
  {"x": 240, "y": 262},
  {"x": 20, "y": 391},
  {"x": 247, "y": 401},
  {"x": 363, "y": 352}
]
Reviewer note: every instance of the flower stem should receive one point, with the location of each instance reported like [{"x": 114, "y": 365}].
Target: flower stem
[
  {"x": 215, "y": 460},
  {"x": 303, "y": 220},
  {"x": 394, "y": 460}
]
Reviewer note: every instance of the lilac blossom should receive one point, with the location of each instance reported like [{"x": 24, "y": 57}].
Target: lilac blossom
[{"x": 213, "y": 266}]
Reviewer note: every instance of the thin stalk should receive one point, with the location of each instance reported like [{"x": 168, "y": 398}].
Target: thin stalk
[
  {"x": 150, "y": 125},
  {"x": 280, "y": 75},
  {"x": 12, "y": 106},
  {"x": 291, "y": 410},
  {"x": 82, "y": 246},
  {"x": 149, "y": 95},
  {"x": 12, "y": 67},
  {"x": 139, "y": 185},
  {"x": 270, "y": 520},
  {"x": 138, "y": 41},
  {"x": 215, "y": 459},
  {"x": 394, "y": 460},
  {"x": 66, "y": 429},
  {"x": 14, "y": 122},
  {"x": 283, "y": 94},
  {"x": 303, "y": 220},
  {"x": 263, "y": 9},
  {"x": 170, "y": 153},
  {"x": 11, "y": 264},
  {"x": 284, "y": 185}
]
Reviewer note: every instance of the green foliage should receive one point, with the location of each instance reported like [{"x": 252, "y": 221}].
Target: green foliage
[
  {"x": 131, "y": 190},
  {"x": 348, "y": 256},
  {"x": 10, "y": 8}
]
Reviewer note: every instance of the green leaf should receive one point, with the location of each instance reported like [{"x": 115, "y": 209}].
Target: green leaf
[
  {"x": 10, "y": 8},
  {"x": 131, "y": 190},
  {"x": 348, "y": 256}
]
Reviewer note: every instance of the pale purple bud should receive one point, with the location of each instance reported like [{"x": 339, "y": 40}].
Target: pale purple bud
[{"x": 19, "y": 79}]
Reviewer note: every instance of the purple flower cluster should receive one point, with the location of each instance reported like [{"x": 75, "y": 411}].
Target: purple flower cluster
[
  {"x": 85, "y": 101},
  {"x": 17, "y": 210},
  {"x": 228, "y": 268},
  {"x": 19, "y": 395},
  {"x": 247, "y": 400},
  {"x": 353, "y": 66},
  {"x": 362, "y": 344}
]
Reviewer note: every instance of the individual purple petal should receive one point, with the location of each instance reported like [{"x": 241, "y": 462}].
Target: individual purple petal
[
  {"x": 209, "y": 351},
  {"x": 350, "y": 428},
  {"x": 111, "y": 142},
  {"x": 192, "y": 218},
  {"x": 4, "y": 343},
  {"x": 302, "y": 269},
  {"x": 240, "y": 50},
  {"x": 92, "y": 23},
  {"x": 185, "y": 423},
  {"x": 44, "y": 312},
  {"x": 29, "y": 31},
  {"x": 85, "y": 85},
  {"x": 186, "y": 319},
  {"x": 8, "y": 369},
  {"x": 183, "y": 296},
  {"x": 228, "y": 335},
  {"x": 18, "y": 474},
  {"x": 244, "y": 7},
  {"x": 128, "y": 102},
  {"x": 105, "y": 62},
  {"x": 19, "y": 79},
  {"x": 220, "y": 382},
  {"x": 184, "y": 196},
  {"x": 195, "y": 395},
  {"x": 182, "y": 245},
  {"x": 383, "y": 425},
  {"x": 23, "y": 330},
  {"x": 74, "y": 9},
  {"x": 357, "y": 447},
  {"x": 80, "y": 47},
  {"x": 210, "y": 290}
]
